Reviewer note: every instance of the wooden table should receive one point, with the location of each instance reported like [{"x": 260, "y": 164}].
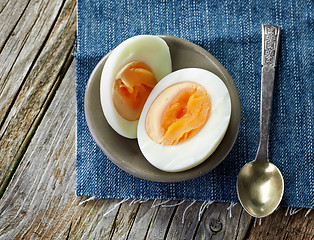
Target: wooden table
[{"x": 38, "y": 142}]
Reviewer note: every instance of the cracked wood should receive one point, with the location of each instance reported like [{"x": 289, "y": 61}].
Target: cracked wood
[{"x": 33, "y": 58}]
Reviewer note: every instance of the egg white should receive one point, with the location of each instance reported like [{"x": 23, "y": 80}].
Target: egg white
[
  {"x": 151, "y": 50},
  {"x": 194, "y": 151}
]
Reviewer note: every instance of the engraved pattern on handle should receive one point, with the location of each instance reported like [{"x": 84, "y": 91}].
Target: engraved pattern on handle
[
  {"x": 269, "y": 59},
  {"x": 270, "y": 42}
]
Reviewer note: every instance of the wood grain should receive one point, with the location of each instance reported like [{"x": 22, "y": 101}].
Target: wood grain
[
  {"x": 34, "y": 57},
  {"x": 12, "y": 10},
  {"x": 185, "y": 221},
  {"x": 23, "y": 44},
  {"x": 143, "y": 221},
  {"x": 282, "y": 225}
]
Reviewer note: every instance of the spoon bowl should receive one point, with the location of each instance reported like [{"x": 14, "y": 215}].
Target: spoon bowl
[{"x": 260, "y": 188}]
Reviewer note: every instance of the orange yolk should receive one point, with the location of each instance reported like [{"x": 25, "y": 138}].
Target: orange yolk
[
  {"x": 133, "y": 84},
  {"x": 184, "y": 109}
]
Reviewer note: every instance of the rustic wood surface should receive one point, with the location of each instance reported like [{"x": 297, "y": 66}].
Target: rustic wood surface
[{"x": 38, "y": 143}]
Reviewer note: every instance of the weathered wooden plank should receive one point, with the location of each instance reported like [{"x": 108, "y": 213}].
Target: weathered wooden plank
[
  {"x": 185, "y": 221},
  {"x": 124, "y": 221},
  {"x": 36, "y": 67},
  {"x": 99, "y": 222},
  {"x": 219, "y": 223},
  {"x": 244, "y": 222},
  {"x": 282, "y": 225},
  {"x": 40, "y": 201},
  {"x": 43, "y": 184},
  {"x": 12, "y": 10},
  {"x": 161, "y": 222},
  {"x": 3, "y": 4},
  {"x": 23, "y": 45},
  {"x": 143, "y": 220}
]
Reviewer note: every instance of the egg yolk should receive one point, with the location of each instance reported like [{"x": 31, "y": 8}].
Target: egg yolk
[
  {"x": 178, "y": 113},
  {"x": 133, "y": 84}
]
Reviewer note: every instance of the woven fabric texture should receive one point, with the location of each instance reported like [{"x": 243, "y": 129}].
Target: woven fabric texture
[{"x": 231, "y": 32}]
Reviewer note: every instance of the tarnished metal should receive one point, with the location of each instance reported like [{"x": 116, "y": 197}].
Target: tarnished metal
[
  {"x": 270, "y": 42},
  {"x": 260, "y": 184}
]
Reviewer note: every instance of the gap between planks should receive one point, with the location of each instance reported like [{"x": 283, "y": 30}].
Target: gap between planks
[
  {"x": 38, "y": 62},
  {"x": 13, "y": 28},
  {"x": 33, "y": 62},
  {"x": 37, "y": 121}
]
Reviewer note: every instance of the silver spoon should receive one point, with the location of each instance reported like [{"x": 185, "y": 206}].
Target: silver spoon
[{"x": 260, "y": 184}]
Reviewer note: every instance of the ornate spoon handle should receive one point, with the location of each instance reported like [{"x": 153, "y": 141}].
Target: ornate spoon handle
[{"x": 270, "y": 42}]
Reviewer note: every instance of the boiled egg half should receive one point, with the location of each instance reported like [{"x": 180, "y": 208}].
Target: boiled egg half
[
  {"x": 184, "y": 119},
  {"x": 130, "y": 73}
]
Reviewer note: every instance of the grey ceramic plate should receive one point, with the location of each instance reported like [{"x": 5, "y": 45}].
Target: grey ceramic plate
[{"x": 125, "y": 153}]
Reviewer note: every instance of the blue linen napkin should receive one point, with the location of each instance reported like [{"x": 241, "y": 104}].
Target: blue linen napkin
[{"x": 231, "y": 31}]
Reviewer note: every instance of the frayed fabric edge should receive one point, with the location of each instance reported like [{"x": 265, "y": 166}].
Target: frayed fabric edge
[
  {"x": 290, "y": 210},
  {"x": 87, "y": 200},
  {"x": 163, "y": 204},
  {"x": 232, "y": 204}
]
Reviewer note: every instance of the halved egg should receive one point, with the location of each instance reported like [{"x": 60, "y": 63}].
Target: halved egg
[
  {"x": 184, "y": 119},
  {"x": 130, "y": 73}
]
